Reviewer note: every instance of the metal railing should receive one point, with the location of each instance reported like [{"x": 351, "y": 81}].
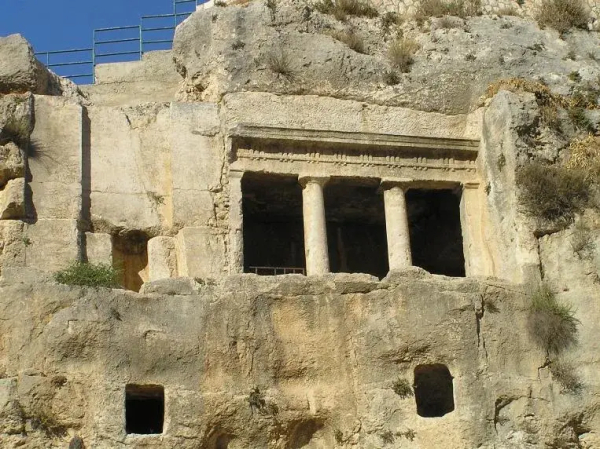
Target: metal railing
[
  {"x": 274, "y": 271},
  {"x": 119, "y": 44}
]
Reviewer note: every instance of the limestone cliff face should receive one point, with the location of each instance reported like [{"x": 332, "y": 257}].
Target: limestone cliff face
[
  {"x": 323, "y": 353},
  {"x": 152, "y": 157}
]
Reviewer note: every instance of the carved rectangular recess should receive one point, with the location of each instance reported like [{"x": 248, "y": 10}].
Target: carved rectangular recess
[{"x": 354, "y": 154}]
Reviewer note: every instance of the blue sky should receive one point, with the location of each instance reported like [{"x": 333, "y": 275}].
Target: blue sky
[
  {"x": 51, "y": 25},
  {"x": 61, "y": 24}
]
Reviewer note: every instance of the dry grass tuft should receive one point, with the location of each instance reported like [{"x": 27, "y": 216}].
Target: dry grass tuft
[
  {"x": 281, "y": 64},
  {"x": 401, "y": 54},
  {"x": 562, "y": 15},
  {"x": 440, "y": 8},
  {"x": 551, "y": 325},
  {"x": 564, "y": 374},
  {"x": 351, "y": 39},
  {"x": 552, "y": 193},
  {"x": 585, "y": 157},
  {"x": 341, "y": 9}
]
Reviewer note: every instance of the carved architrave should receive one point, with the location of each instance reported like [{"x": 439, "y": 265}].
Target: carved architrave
[{"x": 353, "y": 154}]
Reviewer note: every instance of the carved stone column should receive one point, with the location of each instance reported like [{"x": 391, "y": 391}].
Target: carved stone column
[
  {"x": 315, "y": 226},
  {"x": 396, "y": 223}
]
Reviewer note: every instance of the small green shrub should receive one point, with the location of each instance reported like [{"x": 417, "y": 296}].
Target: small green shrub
[
  {"x": 281, "y": 64},
  {"x": 391, "y": 78},
  {"x": 88, "y": 274},
  {"x": 401, "y": 54},
  {"x": 387, "y": 437},
  {"x": 580, "y": 119},
  {"x": 390, "y": 19},
  {"x": 551, "y": 325},
  {"x": 351, "y": 39},
  {"x": 552, "y": 193},
  {"x": 507, "y": 11},
  {"x": 562, "y": 15},
  {"x": 402, "y": 388},
  {"x": 341, "y": 9},
  {"x": 564, "y": 373}
]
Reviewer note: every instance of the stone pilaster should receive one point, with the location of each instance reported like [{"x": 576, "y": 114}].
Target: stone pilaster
[{"x": 236, "y": 223}]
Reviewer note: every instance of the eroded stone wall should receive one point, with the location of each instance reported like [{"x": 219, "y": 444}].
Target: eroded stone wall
[{"x": 324, "y": 354}]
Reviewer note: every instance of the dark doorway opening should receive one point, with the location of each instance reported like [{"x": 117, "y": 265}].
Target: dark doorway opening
[
  {"x": 130, "y": 258},
  {"x": 144, "y": 409},
  {"x": 434, "y": 392},
  {"x": 435, "y": 232},
  {"x": 356, "y": 226},
  {"x": 273, "y": 227}
]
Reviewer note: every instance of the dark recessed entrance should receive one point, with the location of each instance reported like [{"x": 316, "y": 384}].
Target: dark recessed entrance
[
  {"x": 144, "y": 409},
  {"x": 435, "y": 231},
  {"x": 356, "y": 226},
  {"x": 434, "y": 392},
  {"x": 273, "y": 227},
  {"x": 130, "y": 257}
]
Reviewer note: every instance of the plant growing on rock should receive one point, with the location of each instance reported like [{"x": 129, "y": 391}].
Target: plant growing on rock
[
  {"x": 585, "y": 157},
  {"x": 552, "y": 193},
  {"x": 562, "y": 15},
  {"x": 351, "y": 39},
  {"x": 88, "y": 274},
  {"x": 440, "y": 8},
  {"x": 551, "y": 325},
  {"x": 280, "y": 64},
  {"x": 582, "y": 241},
  {"x": 564, "y": 373},
  {"x": 401, "y": 54},
  {"x": 341, "y": 9},
  {"x": 402, "y": 388}
]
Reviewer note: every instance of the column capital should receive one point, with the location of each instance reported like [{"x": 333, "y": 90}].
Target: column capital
[
  {"x": 236, "y": 174},
  {"x": 310, "y": 179},
  {"x": 389, "y": 183},
  {"x": 471, "y": 185}
]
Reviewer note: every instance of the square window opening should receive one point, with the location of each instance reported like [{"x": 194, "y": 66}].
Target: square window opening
[{"x": 144, "y": 409}]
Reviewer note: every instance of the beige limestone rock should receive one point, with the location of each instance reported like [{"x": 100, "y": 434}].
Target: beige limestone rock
[
  {"x": 324, "y": 353},
  {"x": 153, "y": 79},
  {"x": 200, "y": 253},
  {"x": 12, "y": 164},
  {"x": 162, "y": 258},
  {"x": 20, "y": 71},
  {"x": 55, "y": 158},
  {"x": 98, "y": 248},
  {"x": 52, "y": 244},
  {"x": 12, "y": 199}
]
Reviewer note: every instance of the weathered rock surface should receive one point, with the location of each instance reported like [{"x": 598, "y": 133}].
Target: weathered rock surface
[
  {"x": 21, "y": 72},
  {"x": 12, "y": 164},
  {"x": 12, "y": 199},
  {"x": 221, "y": 50},
  {"x": 324, "y": 354}
]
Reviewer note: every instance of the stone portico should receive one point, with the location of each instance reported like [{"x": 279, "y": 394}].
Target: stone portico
[{"x": 397, "y": 163}]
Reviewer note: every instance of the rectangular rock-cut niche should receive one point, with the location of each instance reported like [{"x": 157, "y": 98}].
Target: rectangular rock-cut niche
[
  {"x": 435, "y": 230},
  {"x": 434, "y": 391},
  {"x": 144, "y": 409},
  {"x": 130, "y": 258},
  {"x": 273, "y": 229},
  {"x": 356, "y": 237}
]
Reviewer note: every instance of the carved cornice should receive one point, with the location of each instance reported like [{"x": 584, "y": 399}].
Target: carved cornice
[{"x": 354, "y": 139}]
